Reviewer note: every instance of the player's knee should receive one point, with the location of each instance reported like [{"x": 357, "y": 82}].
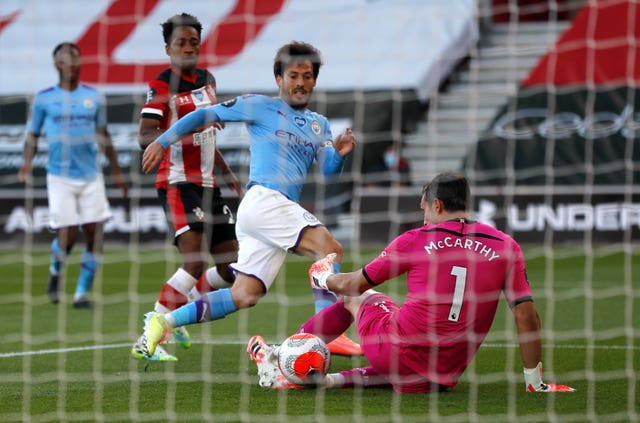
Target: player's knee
[
  {"x": 332, "y": 245},
  {"x": 225, "y": 272},
  {"x": 246, "y": 291},
  {"x": 338, "y": 249}
]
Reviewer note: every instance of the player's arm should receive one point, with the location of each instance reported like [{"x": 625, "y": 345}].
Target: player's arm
[
  {"x": 29, "y": 152},
  {"x": 155, "y": 151},
  {"x": 331, "y": 156},
  {"x": 530, "y": 340},
  {"x": 106, "y": 144},
  {"x": 148, "y": 131},
  {"x": 345, "y": 143},
  {"x": 529, "y": 334}
]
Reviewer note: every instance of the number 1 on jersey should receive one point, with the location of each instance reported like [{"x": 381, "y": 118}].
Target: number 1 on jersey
[{"x": 458, "y": 294}]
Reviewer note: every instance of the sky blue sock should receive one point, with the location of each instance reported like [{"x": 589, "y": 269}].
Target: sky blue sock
[
  {"x": 87, "y": 273},
  {"x": 57, "y": 258},
  {"x": 212, "y": 306}
]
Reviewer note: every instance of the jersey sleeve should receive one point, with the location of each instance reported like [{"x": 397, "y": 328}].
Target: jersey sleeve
[
  {"x": 393, "y": 261},
  {"x": 330, "y": 161},
  {"x": 246, "y": 108},
  {"x": 516, "y": 287},
  {"x": 157, "y": 102},
  {"x": 36, "y": 119}
]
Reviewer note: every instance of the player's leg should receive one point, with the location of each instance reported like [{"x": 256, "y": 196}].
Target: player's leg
[
  {"x": 175, "y": 291},
  {"x": 256, "y": 268},
  {"x": 64, "y": 219},
  {"x": 89, "y": 263},
  {"x": 187, "y": 213},
  {"x": 245, "y": 292},
  {"x": 185, "y": 218},
  {"x": 219, "y": 276},
  {"x": 316, "y": 242},
  {"x": 61, "y": 247},
  {"x": 93, "y": 210},
  {"x": 223, "y": 247}
]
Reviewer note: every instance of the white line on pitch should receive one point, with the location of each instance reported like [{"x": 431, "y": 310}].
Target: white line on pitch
[{"x": 230, "y": 342}]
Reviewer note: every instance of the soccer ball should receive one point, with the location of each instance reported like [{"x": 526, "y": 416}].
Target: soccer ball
[{"x": 304, "y": 359}]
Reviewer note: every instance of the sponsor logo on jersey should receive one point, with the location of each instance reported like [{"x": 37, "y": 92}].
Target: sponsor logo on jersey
[
  {"x": 229, "y": 103},
  {"x": 315, "y": 127},
  {"x": 300, "y": 121},
  {"x": 198, "y": 95}
]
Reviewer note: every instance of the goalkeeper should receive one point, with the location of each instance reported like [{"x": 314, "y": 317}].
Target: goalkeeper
[{"x": 456, "y": 270}]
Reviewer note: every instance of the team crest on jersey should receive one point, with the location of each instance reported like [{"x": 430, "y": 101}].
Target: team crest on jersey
[
  {"x": 88, "y": 103},
  {"x": 199, "y": 96},
  {"x": 229, "y": 103},
  {"x": 315, "y": 127},
  {"x": 309, "y": 217},
  {"x": 151, "y": 94},
  {"x": 300, "y": 121},
  {"x": 199, "y": 214}
]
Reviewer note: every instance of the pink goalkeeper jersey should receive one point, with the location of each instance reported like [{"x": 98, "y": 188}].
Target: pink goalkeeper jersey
[{"x": 456, "y": 271}]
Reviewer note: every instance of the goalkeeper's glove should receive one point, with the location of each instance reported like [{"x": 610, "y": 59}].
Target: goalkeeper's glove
[
  {"x": 320, "y": 271},
  {"x": 533, "y": 382}
]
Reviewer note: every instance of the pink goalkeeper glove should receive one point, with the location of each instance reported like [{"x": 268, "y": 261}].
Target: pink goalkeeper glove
[
  {"x": 533, "y": 382},
  {"x": 320, "y": 271}
]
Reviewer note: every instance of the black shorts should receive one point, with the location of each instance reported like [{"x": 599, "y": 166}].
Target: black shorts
[{"x": 189, "y": 206}]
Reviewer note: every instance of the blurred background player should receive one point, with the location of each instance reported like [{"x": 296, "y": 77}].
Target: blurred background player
[
  {"x": 201, "y": 221},
  {"x": 73, "y": 118},
  {"x": 285, "y": 138},
  {"x": 456, "y": 271}
]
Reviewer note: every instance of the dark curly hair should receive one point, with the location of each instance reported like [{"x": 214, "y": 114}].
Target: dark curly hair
[{"x": 183, "y": 19}]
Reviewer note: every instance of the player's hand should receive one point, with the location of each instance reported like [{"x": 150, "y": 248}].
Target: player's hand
[
  {"x": 533, "y": 382},
  {"x": 120, "y": 181},
  {"x": 233, "y": 183},
  {"x": 345, "y": 142},
  {"x": 152, "y": 157},
  {"x": 320, "y": 271},
  {"x": 25, "y": 174}
]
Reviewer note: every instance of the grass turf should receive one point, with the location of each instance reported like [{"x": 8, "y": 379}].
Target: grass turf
[{"x": 62, "y": 364}]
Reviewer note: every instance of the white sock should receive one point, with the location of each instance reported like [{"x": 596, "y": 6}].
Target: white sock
[
  {"x": 215, "y": 280},
  {"x": 333, "y": 380},
  {"x": 182, "y": 282}
]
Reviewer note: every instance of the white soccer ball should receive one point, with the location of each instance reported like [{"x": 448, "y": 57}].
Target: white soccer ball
[{"x": 304, "y": 359}]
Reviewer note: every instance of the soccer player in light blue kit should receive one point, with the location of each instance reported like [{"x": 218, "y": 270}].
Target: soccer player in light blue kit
[
  {"x": 73, "y": 118},
  {"x": 285, "y": 138}
]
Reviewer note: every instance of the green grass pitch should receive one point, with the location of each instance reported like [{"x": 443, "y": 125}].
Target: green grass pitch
[{"x": 62, "y": 364}]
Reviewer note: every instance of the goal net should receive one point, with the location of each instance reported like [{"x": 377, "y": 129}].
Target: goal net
[{"x": 535, "y": 101}]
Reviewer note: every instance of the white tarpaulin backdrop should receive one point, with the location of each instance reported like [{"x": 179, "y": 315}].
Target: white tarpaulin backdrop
[{"x": 368, "y": 45}]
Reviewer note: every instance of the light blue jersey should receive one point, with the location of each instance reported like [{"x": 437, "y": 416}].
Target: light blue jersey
[
  {"x": 283, "y": 141},
  {"x": 68, "y": 119}
]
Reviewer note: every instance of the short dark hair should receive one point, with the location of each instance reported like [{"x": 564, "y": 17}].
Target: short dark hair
[
  {"x": 63, "y": 44},
  {"x": 296, "y": 52},
  {"x": 183, "y": 19},
  {"x": 452, "y": 188}
]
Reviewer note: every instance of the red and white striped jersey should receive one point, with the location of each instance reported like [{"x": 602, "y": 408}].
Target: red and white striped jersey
[{"x": 170, "y": 97}]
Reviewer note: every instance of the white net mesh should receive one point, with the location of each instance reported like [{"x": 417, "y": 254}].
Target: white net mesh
[{"x": 484, "y": 86}]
